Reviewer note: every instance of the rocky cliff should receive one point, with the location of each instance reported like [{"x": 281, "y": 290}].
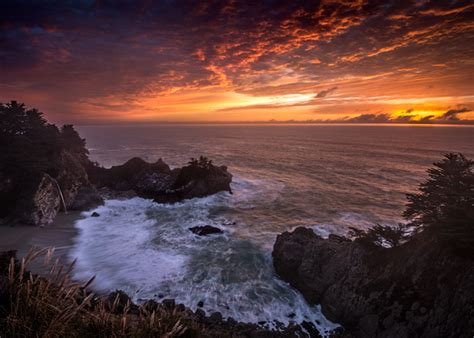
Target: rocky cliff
[{"x": 419, "y": 289}]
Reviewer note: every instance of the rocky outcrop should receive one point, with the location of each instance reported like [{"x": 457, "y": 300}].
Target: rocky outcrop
[
  {"x": 419, "y": 289},
  {"x": 158, "y": 182}
]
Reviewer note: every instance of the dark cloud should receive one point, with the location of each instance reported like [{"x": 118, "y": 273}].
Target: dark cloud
[
  {"x": 379, "y": 118},
  {"x": 369, "y": 118},
  {"x": 325, "y": 93},
  {"x": 452, "y": 114}
]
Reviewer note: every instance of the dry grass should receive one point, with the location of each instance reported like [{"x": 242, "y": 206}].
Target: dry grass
[{"x": 55, "y": 306}]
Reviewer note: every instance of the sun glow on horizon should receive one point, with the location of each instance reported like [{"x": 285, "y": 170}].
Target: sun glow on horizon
[{"x": 417, "y": 115}]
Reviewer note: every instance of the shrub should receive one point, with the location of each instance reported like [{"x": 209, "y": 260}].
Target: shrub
[
  {"x": 381, "y": 235},
  {"x": 201, "y": 163}
]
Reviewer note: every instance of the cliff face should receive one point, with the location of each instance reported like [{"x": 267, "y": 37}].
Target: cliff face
[
  {"x": 419, "y": 289},
  {"x": 35, "y": 197}
]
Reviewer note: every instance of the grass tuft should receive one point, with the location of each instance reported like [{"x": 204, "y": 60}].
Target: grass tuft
[{"x": 56, "y": 306}]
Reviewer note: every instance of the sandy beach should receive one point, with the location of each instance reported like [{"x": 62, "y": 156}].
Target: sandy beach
[{"x": 60, "y": 235}]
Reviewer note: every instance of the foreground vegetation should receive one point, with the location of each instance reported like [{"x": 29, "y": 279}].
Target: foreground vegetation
[{"x": 34, "y": 306}]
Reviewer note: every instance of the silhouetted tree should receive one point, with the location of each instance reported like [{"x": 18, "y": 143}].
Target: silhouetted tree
[
  {"x": 444, "y": 204},
  {"x": 28, "y": 143},
  {"x": 72, "y": 141},
  {"x": 15, "y": 119}
]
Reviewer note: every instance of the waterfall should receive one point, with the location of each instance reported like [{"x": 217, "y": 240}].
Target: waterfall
[{"x": 60, "y": 193}]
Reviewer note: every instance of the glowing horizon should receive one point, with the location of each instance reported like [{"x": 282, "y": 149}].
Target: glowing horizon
[{"x": 226, "y": 62}]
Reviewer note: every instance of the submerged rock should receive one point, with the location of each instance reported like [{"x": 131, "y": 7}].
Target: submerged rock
[
  {"x": 205, "y": 230},
  {"x": 416, "y": 289}
]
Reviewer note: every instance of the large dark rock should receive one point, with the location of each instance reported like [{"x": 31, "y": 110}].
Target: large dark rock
[
  {"x": 158, "y": 182},
  {"x": 195, "y": 181},
  {"x": 419, "y": 289}
]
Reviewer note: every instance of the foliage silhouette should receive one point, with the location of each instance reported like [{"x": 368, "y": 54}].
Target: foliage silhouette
[
  {"x": 380, "y": 235},
  {"x": 444, "y": 204}
]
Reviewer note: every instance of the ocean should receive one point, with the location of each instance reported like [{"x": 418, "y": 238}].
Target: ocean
[{"x": 325, "y": 177}]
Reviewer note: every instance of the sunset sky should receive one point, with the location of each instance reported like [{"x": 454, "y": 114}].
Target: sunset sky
[{"x": 150, "y": 61}]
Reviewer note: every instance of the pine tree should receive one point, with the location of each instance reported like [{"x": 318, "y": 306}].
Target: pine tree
[{"x": 444, "y": 204}]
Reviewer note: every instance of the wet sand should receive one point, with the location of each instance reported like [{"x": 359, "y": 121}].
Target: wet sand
[{"x": 60, "y": 235}]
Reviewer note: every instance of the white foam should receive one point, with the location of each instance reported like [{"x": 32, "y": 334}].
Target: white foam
[
  {"x": 116, "y": 247},
  {"x": 146, "y": 249}
]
